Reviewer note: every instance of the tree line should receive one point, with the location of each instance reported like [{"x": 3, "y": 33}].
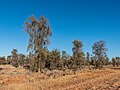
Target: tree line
[{"x": 40, "y": 57}]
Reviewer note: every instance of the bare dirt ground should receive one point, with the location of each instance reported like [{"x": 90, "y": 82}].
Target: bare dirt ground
[{"x": 20, "y": 79}]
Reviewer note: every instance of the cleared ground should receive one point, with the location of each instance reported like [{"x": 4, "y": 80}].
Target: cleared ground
[{"x": 20, "y": 79}]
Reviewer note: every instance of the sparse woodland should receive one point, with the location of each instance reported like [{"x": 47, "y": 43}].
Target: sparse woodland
[
  {"x": 41, "y": 59},
  {"x": 60, "y": 45},
  {"x": 44, "y": 69}
]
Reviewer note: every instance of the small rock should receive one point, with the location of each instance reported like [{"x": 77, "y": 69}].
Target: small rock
[
  {"x": 1, "y": 82},
  {"x": 93, "y": 88}
]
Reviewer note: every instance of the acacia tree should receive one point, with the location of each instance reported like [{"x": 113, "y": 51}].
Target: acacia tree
[
  {"x": 65, "y": 58},
  {"x": 14, "y": 57},
  {"x": 54, "y": 59},
  {"x": 39, "y": 32},
  {"x": 21, "y": 58},
  {"x": 9, "y": 58},
  {"x": 116, "y": 61},
  {"x": 105, "y": 60},
  {"x": 113, "y": 62},
  {"x": 3, "y": 60},
  {"x": 78, "y": 55},
  {"x": 88, "y": 59},
  {"x": 99, "y": 51}
]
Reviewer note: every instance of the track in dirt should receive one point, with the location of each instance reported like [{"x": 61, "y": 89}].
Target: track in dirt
[
  {"x": 20, "y": 79},
  {"x": 96, "y": 80}
]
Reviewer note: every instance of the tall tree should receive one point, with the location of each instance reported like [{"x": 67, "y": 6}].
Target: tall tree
[
  {"x": 88, "y": 59},
  {"x": 14, "y": 57},
  {"x": 39, "y": 32},
  {"x": 78, "y": 55},
  {"x": 114, "y": 62},
  {"x": 117, "y": 61},
  {"x": 99, "y": 51}
]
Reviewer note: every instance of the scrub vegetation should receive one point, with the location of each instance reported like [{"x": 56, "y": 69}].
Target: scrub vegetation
[{"x": 43, "y": 69}]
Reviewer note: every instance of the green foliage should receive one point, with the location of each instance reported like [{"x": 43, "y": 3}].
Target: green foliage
[
  {"x": 116, "y": 61},
  {"x": 105, "y": 60},
  {"x": 55, "y": 59},
  {"x": 9, "y": 59},
  {"x": 3, "y": 60},
  {"x": 14, "y": 54},
  {"x": 14, "y": 58},
  {"x": 39, "y": 32},
  {"x": 99, "y": 51},
  {"x": 78, "y": 55},
  {"x": 21, "y": 58},
  {"x": 64, "y": 60},
  {"x": 40, "y": 57},
  {"x": 88, "y": 59}
]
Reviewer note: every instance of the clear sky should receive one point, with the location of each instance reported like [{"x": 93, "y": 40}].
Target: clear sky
[{"x": 86, "y": 20}]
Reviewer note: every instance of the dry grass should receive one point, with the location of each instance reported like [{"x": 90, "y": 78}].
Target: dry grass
[{"x": 20, "y": 79}]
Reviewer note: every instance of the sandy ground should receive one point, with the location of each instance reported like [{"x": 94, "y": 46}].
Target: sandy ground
[{"x": 20, "y": 79}]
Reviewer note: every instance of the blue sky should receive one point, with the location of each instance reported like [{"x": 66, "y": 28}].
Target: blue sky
[{"x": 86, "y": 20}]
